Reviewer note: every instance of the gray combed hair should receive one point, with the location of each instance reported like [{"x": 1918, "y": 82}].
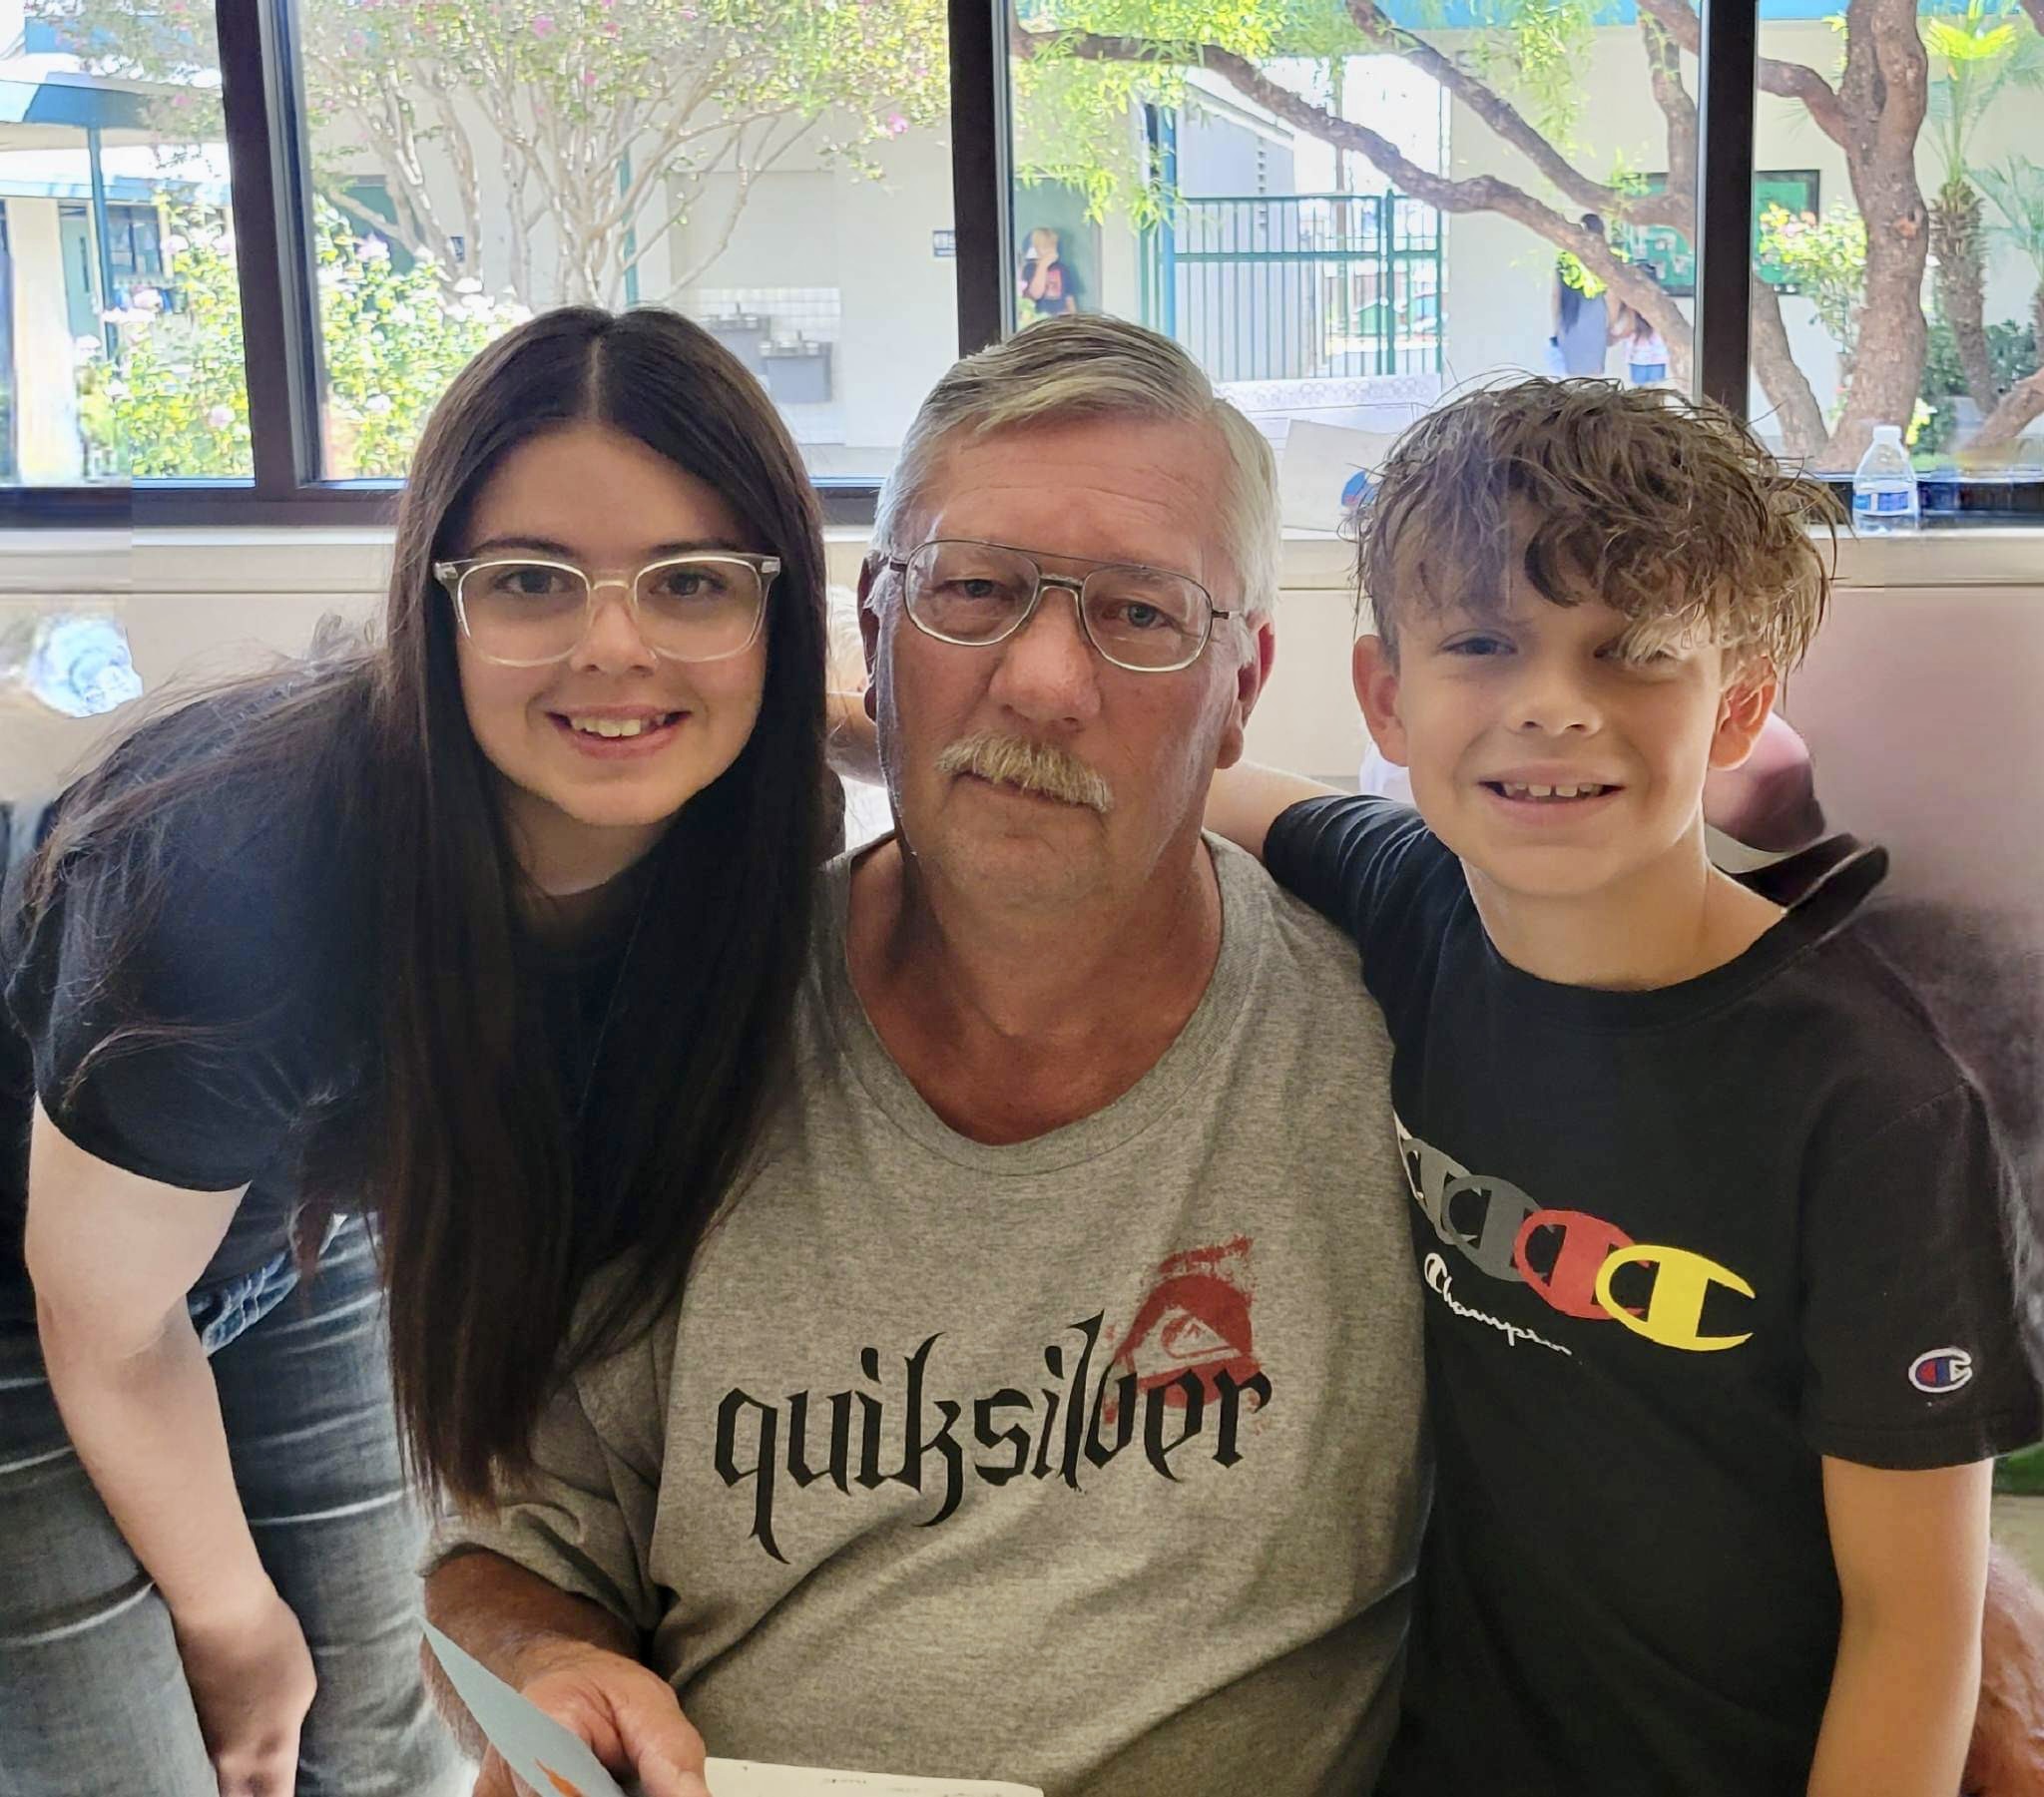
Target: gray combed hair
[{"x": 1082, "y": 367}]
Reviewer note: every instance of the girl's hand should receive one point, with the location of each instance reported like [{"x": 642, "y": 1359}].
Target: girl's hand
[{"x": 251, "y": 1682}]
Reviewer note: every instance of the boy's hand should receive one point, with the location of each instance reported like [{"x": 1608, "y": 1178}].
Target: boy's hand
[
  {"x": 1244, "y": 802},
  {"x": 627, "y": 1713}
]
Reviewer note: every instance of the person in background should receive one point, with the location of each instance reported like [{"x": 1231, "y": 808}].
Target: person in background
[
  {"x": 488, "y": 933},
  {"x": 1719, "y": 1239},
  {"x": 1046, "y": 280},
  {"x": 1579, "y": 324},
  {"x": 1646, "y": 354}
]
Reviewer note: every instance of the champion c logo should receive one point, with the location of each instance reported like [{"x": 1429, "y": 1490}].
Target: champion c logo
[
  {"x": 1676, "y": 1306},
  {"x": 1570, "y": 1259},
  {"x": 1941, "y": 1370},
  {"x": 1582, "y": 1245}
]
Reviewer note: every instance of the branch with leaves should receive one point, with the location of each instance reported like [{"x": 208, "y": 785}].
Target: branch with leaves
[{"x": 510, "y": 122}]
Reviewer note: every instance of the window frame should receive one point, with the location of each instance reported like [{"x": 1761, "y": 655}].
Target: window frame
[{"x": 263, "y": 101}]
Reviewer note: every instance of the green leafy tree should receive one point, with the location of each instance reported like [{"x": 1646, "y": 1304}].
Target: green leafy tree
[
  {"x": 553, "y": 145},
  {"x": 2014, "y": 188},
  {"x": 1507, "y": 72},
  {"x": 1974, "y": 57},
  {"x": 174, "y": 400},
  {"x": 1826, "y": 259}
]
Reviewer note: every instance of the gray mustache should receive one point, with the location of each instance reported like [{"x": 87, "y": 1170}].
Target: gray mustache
[{"x": 1040, "y": 767}]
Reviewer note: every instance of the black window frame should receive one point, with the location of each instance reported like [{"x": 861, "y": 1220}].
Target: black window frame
[{"x": 262, "y": 98}]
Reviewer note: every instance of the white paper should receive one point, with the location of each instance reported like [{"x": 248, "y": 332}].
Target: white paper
[
  {"x": 747, "y": 1778},
  {"x": 1319, "y": 466},
  {"x": 557, "y": 1763}
]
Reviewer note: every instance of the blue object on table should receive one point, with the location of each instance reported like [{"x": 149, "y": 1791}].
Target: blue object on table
[{"x": 1939, "y": 489}]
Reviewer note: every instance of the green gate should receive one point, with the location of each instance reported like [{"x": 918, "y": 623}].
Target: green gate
[{"x": 1299, "y": 286}]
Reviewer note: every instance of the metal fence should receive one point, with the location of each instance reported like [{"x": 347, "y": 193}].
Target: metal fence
[{"x": 1304, "y": 287}]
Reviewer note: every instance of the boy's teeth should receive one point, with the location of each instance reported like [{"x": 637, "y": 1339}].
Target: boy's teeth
[{"x": 1513, "y": 790}]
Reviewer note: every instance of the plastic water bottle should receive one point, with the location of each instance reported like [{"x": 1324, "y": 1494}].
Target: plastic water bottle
[{"x": 1884, "y": 486}]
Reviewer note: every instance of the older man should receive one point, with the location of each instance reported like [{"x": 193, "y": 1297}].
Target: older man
[{"x": 1046, "y": 1405}]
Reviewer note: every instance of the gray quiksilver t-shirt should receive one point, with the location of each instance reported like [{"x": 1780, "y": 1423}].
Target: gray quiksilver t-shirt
[{"x": 1092, "y": 1461}]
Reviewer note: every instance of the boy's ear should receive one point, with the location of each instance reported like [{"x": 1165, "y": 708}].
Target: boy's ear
[
  {"x": 1375, "y": 672},
  {"x": 1743, "y": 713}
]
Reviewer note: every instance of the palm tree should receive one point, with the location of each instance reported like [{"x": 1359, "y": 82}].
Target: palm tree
[
  {"x": 1974, "y": 56},
  {"x": 2015, "y": 189}
]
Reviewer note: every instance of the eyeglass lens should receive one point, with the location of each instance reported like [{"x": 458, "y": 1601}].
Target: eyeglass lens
[
  {"x": 693, "y": 607},
  {"x": 1138, "y": 618}
]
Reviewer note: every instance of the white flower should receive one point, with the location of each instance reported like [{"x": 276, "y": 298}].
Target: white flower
[
  {"x": 220, "y": 417},
  {"x": 86, "y": 346},
  {"x": 376, "y": 404},
  {"x": 373, "y": 250},
  {"x": 468, "y": 285},
  {"x": 145, "y": 300},
  {"x": 177, "y": 243}
]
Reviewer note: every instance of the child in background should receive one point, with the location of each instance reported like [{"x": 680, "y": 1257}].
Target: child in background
[
  {"x": 1646, "y": 354},
  {"x": 1718, "y": 1238}
]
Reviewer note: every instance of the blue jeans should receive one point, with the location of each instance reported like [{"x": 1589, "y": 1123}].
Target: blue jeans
[{"x": 92, "y": 1693}]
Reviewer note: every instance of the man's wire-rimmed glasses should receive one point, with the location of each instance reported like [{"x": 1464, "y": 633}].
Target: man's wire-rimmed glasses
[
  {"x": 1145, "y": 620},
  {"x": 529, "y": 611}
]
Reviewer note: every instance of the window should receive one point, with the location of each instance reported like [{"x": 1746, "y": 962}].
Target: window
[
  {"x": 1903, "y": 292},
  {"x": 776, "y": 172},
  {"x": 121, "y": 352},
  {"x": 1347, "y": 217},
  {"x": 1343, "y": 212}
]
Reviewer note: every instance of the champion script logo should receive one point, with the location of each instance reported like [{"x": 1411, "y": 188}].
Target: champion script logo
[{"x": 1443, "y": 1287}]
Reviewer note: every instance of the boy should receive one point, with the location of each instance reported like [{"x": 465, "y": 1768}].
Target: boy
[{"x": 1721, "y": 1336}]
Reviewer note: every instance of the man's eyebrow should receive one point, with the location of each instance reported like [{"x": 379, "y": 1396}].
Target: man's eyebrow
[{"x": 546, "y": 546}]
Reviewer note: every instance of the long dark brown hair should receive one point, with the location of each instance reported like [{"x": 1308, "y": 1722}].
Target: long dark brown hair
[{"x": 497, "y": 1203}]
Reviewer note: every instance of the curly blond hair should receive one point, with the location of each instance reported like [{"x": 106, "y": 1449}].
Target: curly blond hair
[{"x": 1668, "y": 508}]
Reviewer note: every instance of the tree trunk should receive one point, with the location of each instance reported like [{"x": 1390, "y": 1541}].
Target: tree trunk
[
  {"x": 1962, "y": 281},
  {"x": 2021, "y": 403},
  {"x": 1787, "y": 388},
  {"x": 1882, "y": 92}
]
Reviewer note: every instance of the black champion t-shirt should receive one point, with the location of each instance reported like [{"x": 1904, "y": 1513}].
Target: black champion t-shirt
[
  {"x": 259, "y": 950},
  {"x": 1676, "y": 1245}
]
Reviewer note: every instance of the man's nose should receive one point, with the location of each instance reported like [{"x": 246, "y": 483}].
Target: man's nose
[
  {"x": 1048, "y": 672},
  {"x": 611, "y": 643}
]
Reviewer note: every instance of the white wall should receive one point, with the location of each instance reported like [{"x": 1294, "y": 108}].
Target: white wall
[
  {"x": 200, "y": 603},
  {"x": 803, "y": 223},
  {"x": 811, "y": 225},
  {"x": 47, "y": 443}
]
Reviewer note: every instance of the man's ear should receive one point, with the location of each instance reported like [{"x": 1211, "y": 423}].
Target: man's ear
[
  {"x": 1743, "y": 713},
  {"x": 1251, "y": 676},
  {"x": 1374, "y": 668},
  {"x": 869, "y": 573}
]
